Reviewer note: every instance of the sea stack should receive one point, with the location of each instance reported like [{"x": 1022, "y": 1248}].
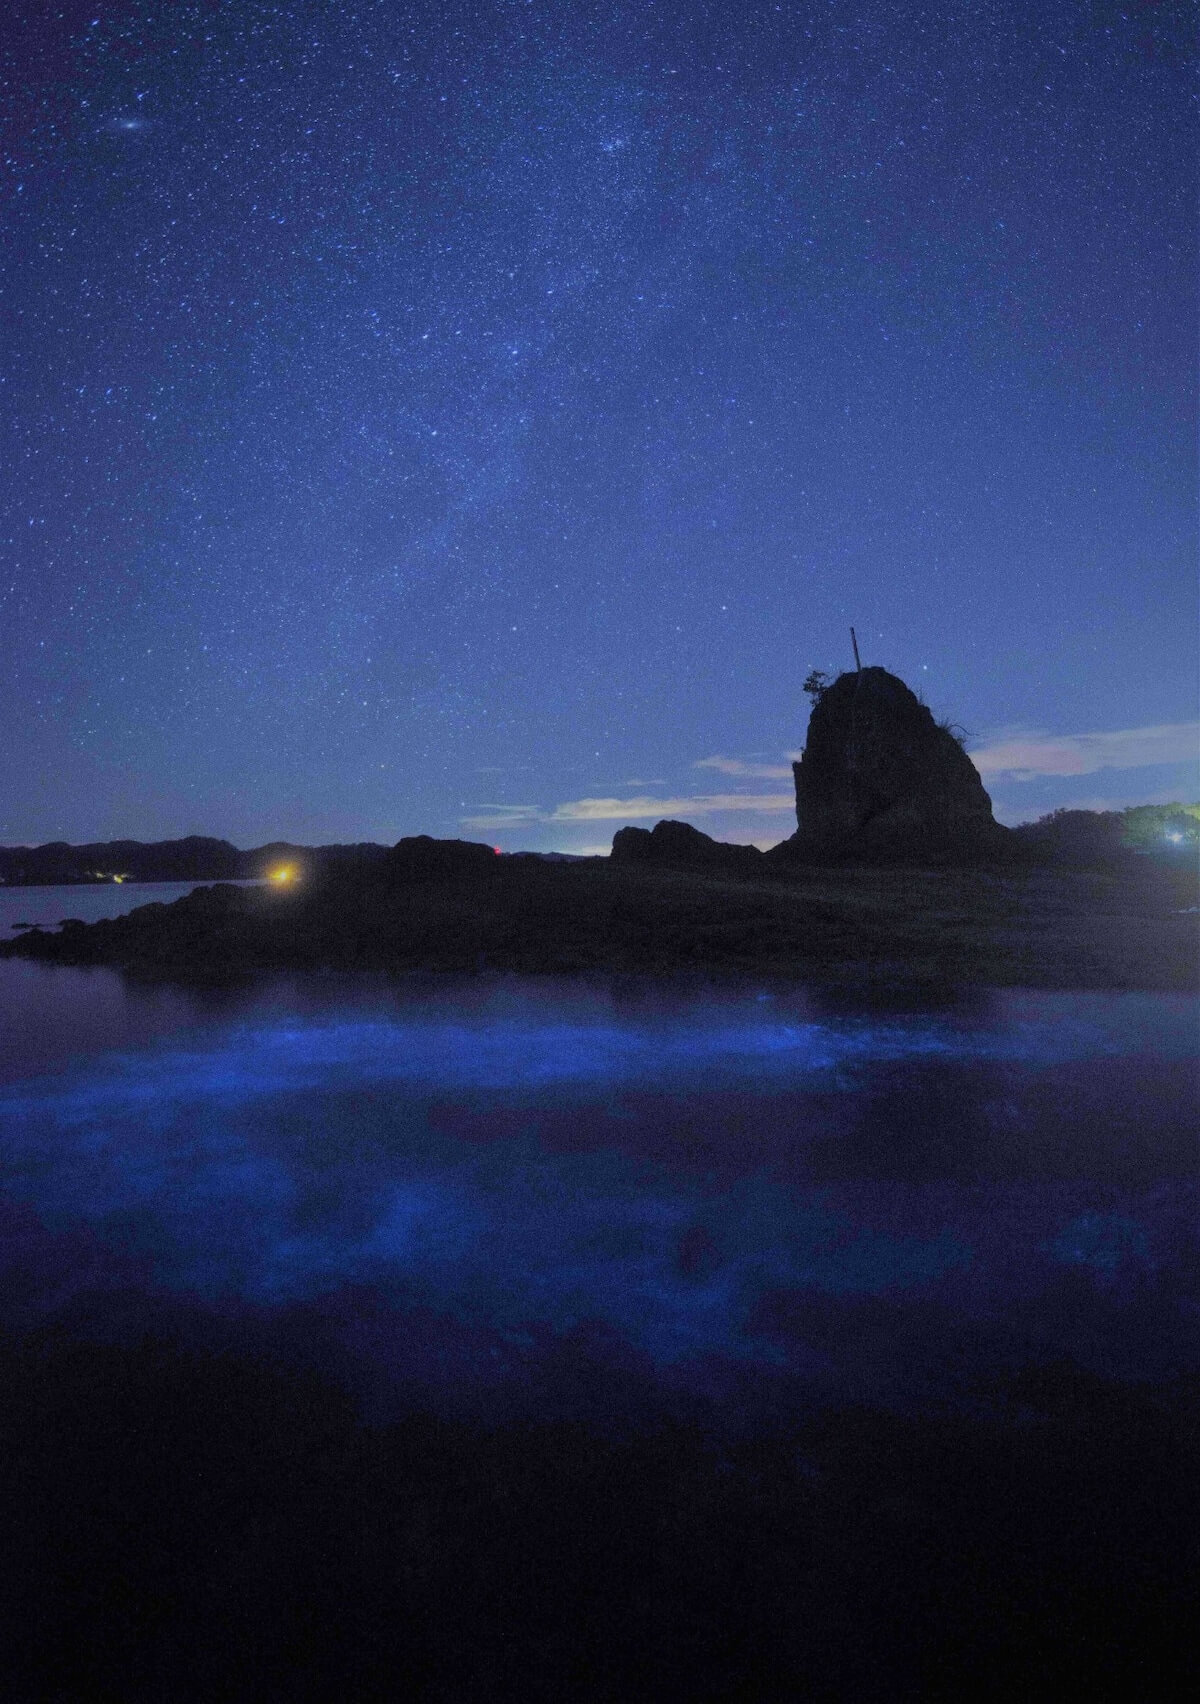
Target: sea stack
[{"x": 880, "y": 779}]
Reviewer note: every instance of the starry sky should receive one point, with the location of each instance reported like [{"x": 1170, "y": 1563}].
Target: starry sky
[{"x": 479, "y": 418}]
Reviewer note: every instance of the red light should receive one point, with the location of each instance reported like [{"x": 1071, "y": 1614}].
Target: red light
[{"x": 497, "y": 851}]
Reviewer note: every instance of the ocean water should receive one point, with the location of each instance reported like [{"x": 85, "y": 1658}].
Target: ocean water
[{"x": 518, "y": 1197}]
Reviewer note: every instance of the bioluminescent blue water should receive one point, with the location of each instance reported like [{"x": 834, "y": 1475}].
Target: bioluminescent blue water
[{"x": 446, "y": 1185}]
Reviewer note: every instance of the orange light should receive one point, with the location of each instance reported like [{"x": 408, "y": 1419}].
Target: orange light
[{"x": 285, "y": 873}]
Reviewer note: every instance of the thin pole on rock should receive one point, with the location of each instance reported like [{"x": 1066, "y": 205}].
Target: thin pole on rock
[{"x": 857, "y": 660}]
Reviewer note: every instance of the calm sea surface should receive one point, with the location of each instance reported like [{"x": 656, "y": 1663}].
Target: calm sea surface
[{"x": 515, "y": 1196}]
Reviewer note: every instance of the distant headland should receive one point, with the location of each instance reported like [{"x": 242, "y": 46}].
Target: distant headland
[{"x": 197, "y": 858}]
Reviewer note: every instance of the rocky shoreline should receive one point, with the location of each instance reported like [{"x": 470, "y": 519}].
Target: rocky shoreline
[
  {"x": 897, "y": 873},
  {"x": 455, "y": 907}
]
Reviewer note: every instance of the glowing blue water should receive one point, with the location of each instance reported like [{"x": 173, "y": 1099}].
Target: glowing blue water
[{"x": 753, "y": 1182}]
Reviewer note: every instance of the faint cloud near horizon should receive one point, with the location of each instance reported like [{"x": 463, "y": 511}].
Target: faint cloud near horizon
[
  {"x": 697, "y": 804},
  {"x": 754, "y": 771},
  {"x": 1010, "y": 757},
  {"x": 641, "y": 808},
  {"x": 502, "y": 816},
  {"x": 1027, "y": 755}
]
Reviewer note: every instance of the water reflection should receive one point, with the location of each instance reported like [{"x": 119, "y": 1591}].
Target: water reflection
[{"x": 454, "y": 1181}]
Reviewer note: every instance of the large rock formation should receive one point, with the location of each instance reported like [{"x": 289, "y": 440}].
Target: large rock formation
[
  {"x": 418, "y": 857},
  {"x": 678, "y": 845},
  {"x": 879, "y": 778}
]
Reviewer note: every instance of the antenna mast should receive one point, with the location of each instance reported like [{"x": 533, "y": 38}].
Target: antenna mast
[{"x": 857, "y": 659}]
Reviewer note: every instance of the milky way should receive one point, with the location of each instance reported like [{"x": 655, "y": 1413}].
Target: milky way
[{"x": 432, "y": 417}]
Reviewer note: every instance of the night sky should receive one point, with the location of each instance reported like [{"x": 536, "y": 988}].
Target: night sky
[{"x": 478, "y": 418}]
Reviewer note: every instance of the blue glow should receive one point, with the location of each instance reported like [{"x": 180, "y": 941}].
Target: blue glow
[
  {"x": 493, "y": 1054},
  {"x": 521, "y": 1171}
]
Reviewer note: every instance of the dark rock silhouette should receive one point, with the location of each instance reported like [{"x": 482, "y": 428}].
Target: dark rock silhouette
[
  {"x": 680, "y": 846},
  {"x": 420, "y": 857},
  {"x": 879, "y": 778},
  {"x": 460, "y": 909}
]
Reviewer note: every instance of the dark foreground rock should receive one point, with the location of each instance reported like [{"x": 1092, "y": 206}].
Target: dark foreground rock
[
  {"x": 467, "y": 909},
  {"x": 880, "y": 779}
]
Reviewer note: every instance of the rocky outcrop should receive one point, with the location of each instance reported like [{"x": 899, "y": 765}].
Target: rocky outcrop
[
  {"x": 680, "y": 846},
  {"x": 419, "y": 857},
  {"x": 880, "y": 779}
]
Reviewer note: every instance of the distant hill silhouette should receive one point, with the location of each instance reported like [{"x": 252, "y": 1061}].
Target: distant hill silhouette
[
  {"x": 196, "y": 858},
  {"x": 1088, "y": 839}
]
